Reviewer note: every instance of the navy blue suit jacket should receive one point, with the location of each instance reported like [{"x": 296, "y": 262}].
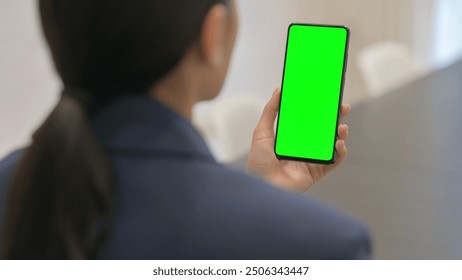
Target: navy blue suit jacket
[{"x": 174, "y": 201}]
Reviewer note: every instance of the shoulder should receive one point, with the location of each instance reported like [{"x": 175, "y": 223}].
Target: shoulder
[
  {"x": 230, "y": 214},
  {"x": 298, "y": 225},
  {"x": 7, "y": 166}
]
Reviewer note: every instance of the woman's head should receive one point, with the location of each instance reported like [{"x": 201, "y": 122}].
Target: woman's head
[{"x": 108, "y": 47}]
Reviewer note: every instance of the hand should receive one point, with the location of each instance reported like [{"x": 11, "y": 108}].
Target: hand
[{"x": 292, "y": 175}]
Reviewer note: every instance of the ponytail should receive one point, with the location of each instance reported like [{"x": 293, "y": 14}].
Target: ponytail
[{"x": 61, "y": 195}]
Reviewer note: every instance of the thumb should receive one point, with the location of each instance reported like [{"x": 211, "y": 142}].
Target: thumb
[{"x": 268, "y": 117}]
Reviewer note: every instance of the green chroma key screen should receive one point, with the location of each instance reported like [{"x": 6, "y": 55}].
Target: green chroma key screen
[{"x": 311, "y": 96}]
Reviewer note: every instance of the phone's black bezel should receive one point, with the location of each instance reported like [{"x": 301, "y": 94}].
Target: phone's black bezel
[{"x": 345, "y": 61}]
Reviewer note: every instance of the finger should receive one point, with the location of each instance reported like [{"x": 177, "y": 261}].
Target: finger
[
  {"x": 343, "y": 132},
  {"x": 341, "y": 151},
  {"x": 346, "y": 108},
  {"x": 270, "y": 112}
]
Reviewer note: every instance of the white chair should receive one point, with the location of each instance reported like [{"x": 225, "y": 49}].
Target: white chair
[
  {"x": 228, "y": 125},
  {"x": 388, "y": 65},
  {"x": 203, "y": 121}
]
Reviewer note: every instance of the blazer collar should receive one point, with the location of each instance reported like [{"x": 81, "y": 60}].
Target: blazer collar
[{"x": 139, "y": 125}]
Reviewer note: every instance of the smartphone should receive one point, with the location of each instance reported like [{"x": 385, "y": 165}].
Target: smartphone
[{"x": 311, "y": 92}]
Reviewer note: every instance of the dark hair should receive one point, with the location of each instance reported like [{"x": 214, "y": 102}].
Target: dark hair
[{"x": 61, "y": 196}]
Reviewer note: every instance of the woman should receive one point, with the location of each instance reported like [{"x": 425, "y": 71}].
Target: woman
[{"x": 118, "y": 172}]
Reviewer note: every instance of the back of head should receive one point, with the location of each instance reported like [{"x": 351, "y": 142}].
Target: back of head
[
  {"x": 61, "y": 195},
  {"x": 108, "y": 46}
]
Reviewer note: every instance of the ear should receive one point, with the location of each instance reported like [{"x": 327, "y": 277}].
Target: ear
[{"x": 213, "y": 35}]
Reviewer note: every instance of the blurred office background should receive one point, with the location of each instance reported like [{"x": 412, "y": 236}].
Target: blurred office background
[{"x": 394, "y": 44}]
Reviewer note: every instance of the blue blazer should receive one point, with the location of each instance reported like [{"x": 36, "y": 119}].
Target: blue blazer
[{"x": 174, "y": 201}]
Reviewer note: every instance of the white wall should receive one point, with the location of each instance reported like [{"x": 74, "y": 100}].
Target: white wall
[
  {"x": 258, "y": 57},
  {"x": 28, "y": 87}
]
